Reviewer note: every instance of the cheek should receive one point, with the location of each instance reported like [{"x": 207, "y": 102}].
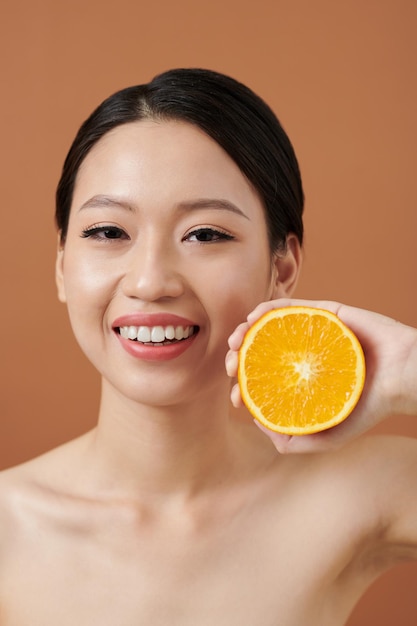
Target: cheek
[
  {"x": 86, "y": 286},
  {"x": 80, "y": 274},
  {"x": 85, "y": 276},
  {"x": 240, "y": 291},
  {"x": 86, "y": 301}
]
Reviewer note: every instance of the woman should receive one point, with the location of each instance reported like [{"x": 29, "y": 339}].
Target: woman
[{"x": 179, "y": 211}]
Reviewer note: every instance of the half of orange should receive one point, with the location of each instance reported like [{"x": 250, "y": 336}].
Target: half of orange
[{"x": 301, "y": 370}]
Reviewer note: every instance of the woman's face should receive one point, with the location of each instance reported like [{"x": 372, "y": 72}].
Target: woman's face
[{"x": 166, "y": 253}]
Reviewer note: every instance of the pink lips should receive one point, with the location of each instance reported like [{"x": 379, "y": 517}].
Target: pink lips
[{"x": 153, "y": 351}]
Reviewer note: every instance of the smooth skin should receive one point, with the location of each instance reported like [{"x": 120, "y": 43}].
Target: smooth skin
[{"x": 173, "y": 510}]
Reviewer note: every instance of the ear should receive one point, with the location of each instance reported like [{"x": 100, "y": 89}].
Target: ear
[
  {"x": 59, "y": 270},
  {"x": 286, "y": 268}
]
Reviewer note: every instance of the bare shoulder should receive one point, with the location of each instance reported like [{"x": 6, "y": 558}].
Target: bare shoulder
[
  {"x": 21, "y": 484},
  {"x": 358, "y": 501},
  {"x": 382, "y": 465},
  {"x": 380, "y": 473},
  {"x": 375, "y": 450},
  {"x": 368, "y": 485},
  {"x": 16, "y": 487},
  {"x": 381, "y": 460},
  {"x": 27, "y": 489},
  {"x": 394, "y": 468},
  {"x": 15, "y": 482}
]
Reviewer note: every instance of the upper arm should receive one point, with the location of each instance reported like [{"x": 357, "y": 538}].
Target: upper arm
[
  {"x": 384, "y": 475},
  {"x": 398, "y": 499}
]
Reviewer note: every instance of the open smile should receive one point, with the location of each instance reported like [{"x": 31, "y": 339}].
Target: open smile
[{"x": 157, "y": 335}]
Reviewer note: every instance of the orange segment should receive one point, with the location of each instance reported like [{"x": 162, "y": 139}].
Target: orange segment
[{"x": 301, "y": 370}]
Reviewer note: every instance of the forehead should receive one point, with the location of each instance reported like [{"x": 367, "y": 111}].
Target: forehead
[{"x": 153, "y": 158}]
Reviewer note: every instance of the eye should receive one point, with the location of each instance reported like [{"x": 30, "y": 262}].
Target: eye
[
  {"x": 207, "y": 235},
  {"x": 104, "y": 232}
]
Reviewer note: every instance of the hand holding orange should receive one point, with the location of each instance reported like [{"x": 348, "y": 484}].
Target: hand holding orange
[{"x": 301, "y": 370}]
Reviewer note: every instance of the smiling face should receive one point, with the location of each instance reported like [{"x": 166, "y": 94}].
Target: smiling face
[{"x": 166, "y": 252}]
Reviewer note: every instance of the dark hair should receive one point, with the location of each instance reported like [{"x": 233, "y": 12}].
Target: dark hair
[{"x": 226, "y": 110}]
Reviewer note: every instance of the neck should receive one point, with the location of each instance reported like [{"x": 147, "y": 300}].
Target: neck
[{"x": 176, "y": 451}]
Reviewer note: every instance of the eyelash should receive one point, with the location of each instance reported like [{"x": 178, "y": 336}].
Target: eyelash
[
  {"x": 99, "y": 233},
  {"x": 95, "y": 231},
  {"x": 219, "y": 235}
]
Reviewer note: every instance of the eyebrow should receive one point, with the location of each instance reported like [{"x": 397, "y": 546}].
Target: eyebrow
[
  {"x": 212, "y": 203},
  {"x": 104, "y": 201}
]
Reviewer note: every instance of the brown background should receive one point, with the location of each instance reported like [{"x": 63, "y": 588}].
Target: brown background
[{"x": 342, "y": 78}]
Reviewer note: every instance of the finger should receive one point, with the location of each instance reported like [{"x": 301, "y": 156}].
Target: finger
[
  {"x": 280, "y": 441},
  {"x": 232, "y": 362},
  {"x": 324, "y": 441},
  {"x": 235, "y": 397},
  {"x": 264, "y": 307},
  {"x": 236, "y": 338},
  {"x": 301, "y": 444}
]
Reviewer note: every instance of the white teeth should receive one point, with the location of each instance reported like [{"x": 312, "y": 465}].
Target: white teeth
[
  {"x": 170, "y": 332},
  {"x": 156, "y": 334},
  {"x": 132, "y": 332},
  {"x": 179, "y": 332},
  {"x": 144, "y": 334}
]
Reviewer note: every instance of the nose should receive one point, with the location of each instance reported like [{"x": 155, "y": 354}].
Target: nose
[{"x": 153, "y": 273}]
